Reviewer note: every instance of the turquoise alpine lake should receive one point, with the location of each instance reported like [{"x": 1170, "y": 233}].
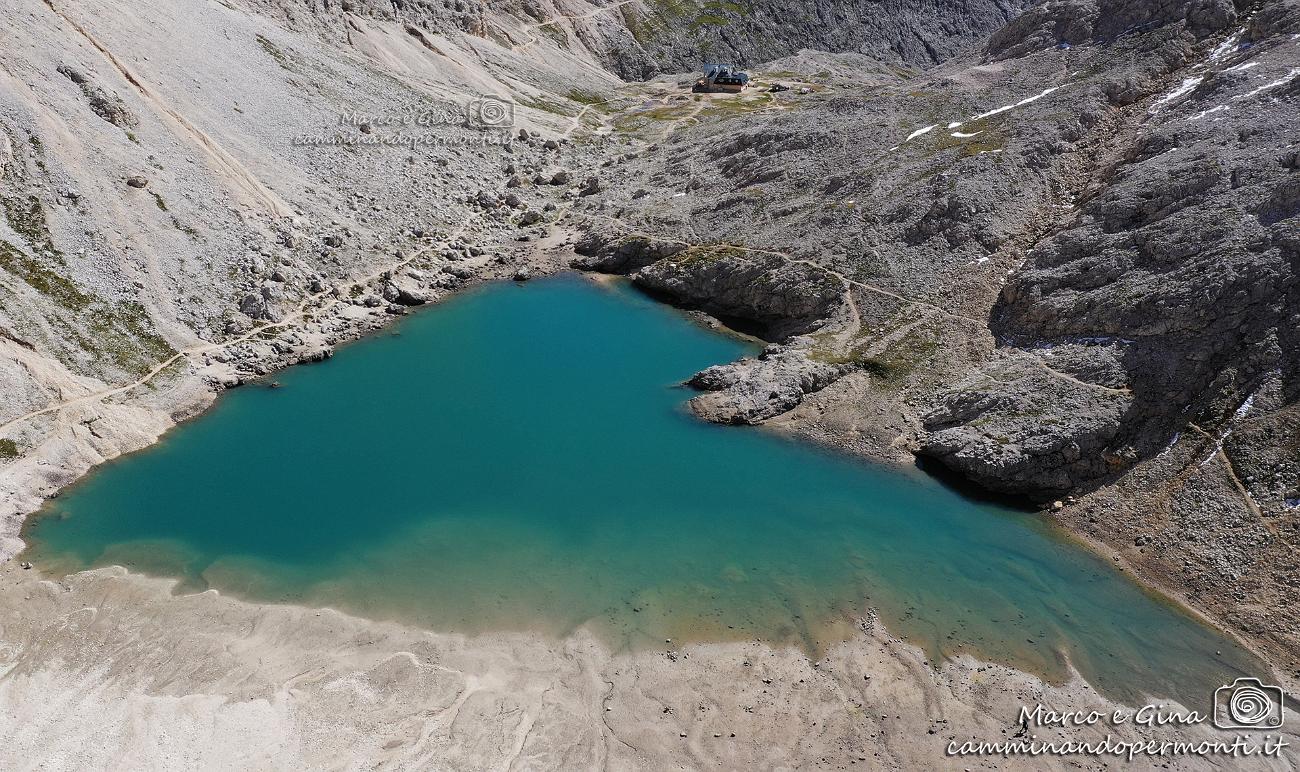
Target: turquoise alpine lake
[{"x": 519, "y": 458}]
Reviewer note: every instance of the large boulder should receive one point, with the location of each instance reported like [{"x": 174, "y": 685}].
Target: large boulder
[{"x": 405, "y": 291}]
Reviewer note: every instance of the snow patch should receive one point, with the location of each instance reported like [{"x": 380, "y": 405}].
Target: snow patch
[
  {"x": 1240, "y": 413},
  {"x": 1218, "y": 446},
  {"x": 919, "y": 132},
  {"x": 1227, "y": 46},
  {"x": 1082, "y": 340},
  {"x": 1183, "y": 89},
  {"x": 1203, "y": 113},
  {"x": 1172, "y": 442},
  {"x": 1285, "y": 79},
  {"x": 1245, "y": 408},
  {"x": 964, "y": 135},
  {"x": 1021, "y": 103},
  {"x": 957, "y": 124}
]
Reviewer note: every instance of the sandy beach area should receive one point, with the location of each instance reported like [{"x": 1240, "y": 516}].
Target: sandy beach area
[{"x": 110, "y": 670}]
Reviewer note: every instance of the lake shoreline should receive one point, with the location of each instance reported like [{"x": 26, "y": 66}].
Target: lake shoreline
[
  {"x": 204, "y": 668},
  {"x": 636, "y": 327},
  {"x": 791, "y": 430},
  {"x": 43, "y": 472}
]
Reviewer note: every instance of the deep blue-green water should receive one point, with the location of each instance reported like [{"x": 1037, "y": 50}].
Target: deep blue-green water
[{"x": 519, "y": 458}]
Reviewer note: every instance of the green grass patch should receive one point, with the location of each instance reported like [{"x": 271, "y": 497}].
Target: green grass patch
[
  {"x": 586, "y": 97},
  {"x": 157, "y": 199},
  {"x": 188, "y": 230},
  {"x": 121, "y": 333},
  {"x": 274, "y": 52},
  {"x": 557, "y": 33},
  {"x": 989, "y": 138},
  {"x": 890, "y": 366},
  {"x": 8, "y": 449},
  {"x": 27, "y": 218},
  {"x": 547, "y": 106},
  {"x": 38, "y": 152},
  {"x": 708, "y": 20},
  {"x": 736, "y": 106},
  {"x": 40, "y": 277},
  {"x": 899, "y": 360},
  {"x": 666, "y": 113},
  {"x": 124, "y": 334}
]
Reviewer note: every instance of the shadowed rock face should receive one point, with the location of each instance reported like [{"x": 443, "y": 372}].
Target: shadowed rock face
[
  {"x": 995, "y": 434},
  {"x": 754, "y": 390},
  {"x": 1075, "y": 22},
  {"x": 677, "y": 36},
  {"x": 642, "y": 38},
  {"x": 780, "y": 296},
  {"x": 1180, "y": 271}
]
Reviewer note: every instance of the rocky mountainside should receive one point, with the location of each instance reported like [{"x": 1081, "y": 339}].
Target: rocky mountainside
[
  {"x": 638, "y": 39},
  {"x": 1063, "y": 266},
  {"x": 1056, "y": 256},
  {"x": 198, "y": 197},
  {"x": 674, "y": 35}
]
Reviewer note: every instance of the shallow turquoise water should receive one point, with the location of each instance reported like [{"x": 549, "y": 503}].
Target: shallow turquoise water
[{"x": 518, "y": 458}]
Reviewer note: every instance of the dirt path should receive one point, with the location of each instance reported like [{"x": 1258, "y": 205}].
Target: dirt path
[
  {"x": 844, "y": 337},
  {"x": 1221, "y": 453},
  {"x": 801, "y": 261},
  {"x": 325, "y": 297},
  {"x": 690, "y": 116}
]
